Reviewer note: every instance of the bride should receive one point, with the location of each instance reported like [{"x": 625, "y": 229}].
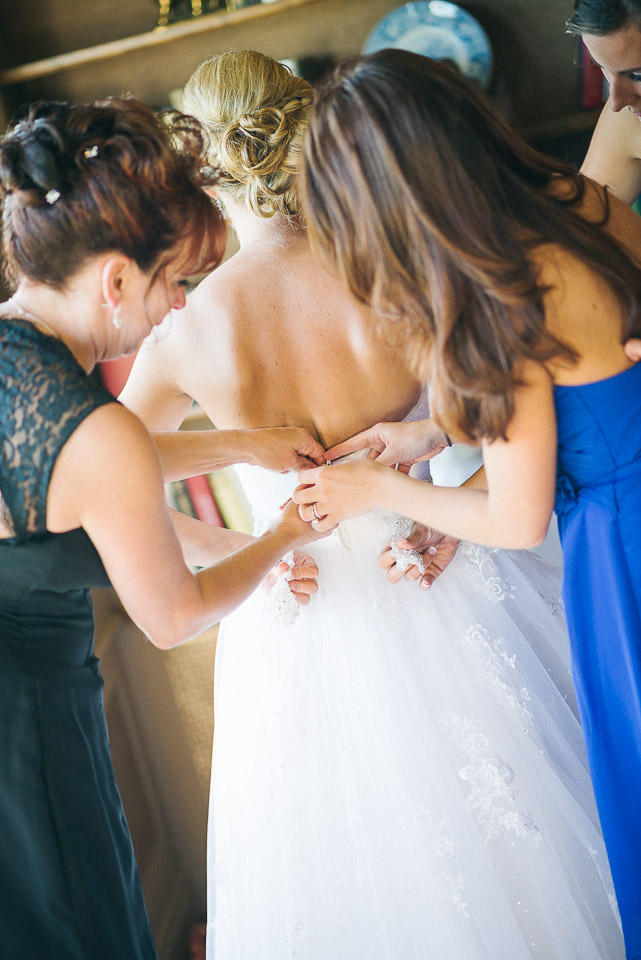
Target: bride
[{"x": 396, "y": 774}]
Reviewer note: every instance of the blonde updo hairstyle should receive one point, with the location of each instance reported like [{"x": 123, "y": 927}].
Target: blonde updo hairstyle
[{"x": 254, "y": 110}]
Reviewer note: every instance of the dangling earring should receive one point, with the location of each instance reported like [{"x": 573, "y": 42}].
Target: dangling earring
[{"x": 116, "y": 317}]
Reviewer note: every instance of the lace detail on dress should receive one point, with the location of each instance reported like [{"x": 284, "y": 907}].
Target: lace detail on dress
[
  {"x": 431, "y": 846},
  {"x": 298, "y": 943},
  {"x": 555, "y": 604},
  {"x": 44, "y": 396},
  {"x": 490, "y": 663},
  {"x": 483, "y": 567},
  {"x": 491, "y": 780},
  {"x": 281, "y": 602},
  {"x": 405, "y": 558}
]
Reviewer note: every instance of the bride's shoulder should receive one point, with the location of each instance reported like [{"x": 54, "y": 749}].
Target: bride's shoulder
[{"x": 237, "y": 285}]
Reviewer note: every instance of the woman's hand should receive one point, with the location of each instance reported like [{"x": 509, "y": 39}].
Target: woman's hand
[
  {"x": 302, "y": 581},
  {"x": 327, "y": 495},
  {"x": 282, "y": 449},
  {"x": 395, "y": 443},
  {"x": 438, "y": 551},
  {"x": 296, "y": 528}
]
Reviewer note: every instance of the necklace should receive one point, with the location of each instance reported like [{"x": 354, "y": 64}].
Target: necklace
[{"x": 29, "y": 316}]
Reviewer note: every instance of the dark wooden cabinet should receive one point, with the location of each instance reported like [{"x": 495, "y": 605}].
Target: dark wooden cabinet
[{"x": 66, "y": 50}]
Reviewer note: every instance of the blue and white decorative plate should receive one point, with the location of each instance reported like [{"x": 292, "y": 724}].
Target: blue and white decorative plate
[{"x": 440, "y": 30}]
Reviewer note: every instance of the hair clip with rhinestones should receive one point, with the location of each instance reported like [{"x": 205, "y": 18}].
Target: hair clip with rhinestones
[
  {"x": 52, "y": 195},
  {"x": 90, "y": 152}
]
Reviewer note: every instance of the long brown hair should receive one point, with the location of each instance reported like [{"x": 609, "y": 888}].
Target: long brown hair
[{"x": 429, "y": 206}]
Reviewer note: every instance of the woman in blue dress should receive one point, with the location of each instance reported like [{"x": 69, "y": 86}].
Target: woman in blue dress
[
  {"x": 104, "y": 217},
  {"x": 512, "y": 283}
]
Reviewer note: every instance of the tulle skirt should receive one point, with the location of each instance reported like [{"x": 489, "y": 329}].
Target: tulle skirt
[{"x": 400, "y": 775}]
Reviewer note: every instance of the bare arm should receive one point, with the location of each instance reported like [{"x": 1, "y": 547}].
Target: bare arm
[
  {"x": 203, "y": 544},
  {"x": 614, "y": 154},
  {"x": 108, "y": 480},
  {"x": 614, "y": 159},
  {"x": 188, "y": 453},
  {"x": 515, "y": 510}
]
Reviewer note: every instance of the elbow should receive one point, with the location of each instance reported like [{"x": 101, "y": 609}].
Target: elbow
[
  {"x": 166, "y": 641},
  {"x": 524, "y": 530},
  {"x": 526, "y": 536},
  {"x": 538, "y": 539},
  {"x": 182, "y": 618},
  {"x": 168, "y": 636},
  {"x": 528, "y": 543}
]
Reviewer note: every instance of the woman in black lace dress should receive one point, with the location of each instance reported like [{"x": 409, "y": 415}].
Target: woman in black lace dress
[{"x": 104, "y": 216}]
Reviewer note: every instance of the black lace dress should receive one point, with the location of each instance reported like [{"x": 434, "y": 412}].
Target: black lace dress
[{"x": 69, "y": 882}]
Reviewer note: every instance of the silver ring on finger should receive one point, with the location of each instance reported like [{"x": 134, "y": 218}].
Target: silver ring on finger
[{"x": 317, "y": 515}]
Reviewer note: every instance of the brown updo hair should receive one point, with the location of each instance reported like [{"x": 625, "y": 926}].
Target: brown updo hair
[
  {"x": 255, "y": 112},
  {"x": 80, "y": 180}
]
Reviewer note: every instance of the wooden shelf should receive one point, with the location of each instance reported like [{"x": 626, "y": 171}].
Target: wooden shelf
[
  {"x": 575, "y": 122},
  {"x": 204, "y": 24},
  {"x": 62, "y": 51}
]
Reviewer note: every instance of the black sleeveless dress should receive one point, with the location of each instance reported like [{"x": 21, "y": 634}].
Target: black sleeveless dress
[{"x": 68, "y": 876}]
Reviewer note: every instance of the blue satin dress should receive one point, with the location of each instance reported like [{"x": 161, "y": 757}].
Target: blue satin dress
[{"x": 599, "y": 509}]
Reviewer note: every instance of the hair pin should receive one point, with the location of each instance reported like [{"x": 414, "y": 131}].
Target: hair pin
[
  {"x": 52, "y": 195},
  {"x": 90, "y": 152}
]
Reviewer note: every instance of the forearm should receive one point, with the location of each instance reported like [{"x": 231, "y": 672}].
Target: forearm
[
  {"x": 466, "y": 513},
  {"x": 203, "y": 544},
  {"x": 189, "y": 453},
  {"x": 224, "y": 586}
]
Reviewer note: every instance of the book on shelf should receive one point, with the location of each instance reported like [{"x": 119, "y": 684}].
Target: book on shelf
[
  {"x": 178, "y": 497},
  {"x": 231, "y": 500},
  {"x": 203, "y": 500},
  {"x": 194, "y": 498},
  {"x": 170, "y": 495},
  {"x": 593, "y": 88},
  {"x": 216, "y": 498}
]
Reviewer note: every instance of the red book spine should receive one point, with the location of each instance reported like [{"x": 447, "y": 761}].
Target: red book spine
[
  {"x": 592, "y": 92},
  {"x": 202, "y": 498}
]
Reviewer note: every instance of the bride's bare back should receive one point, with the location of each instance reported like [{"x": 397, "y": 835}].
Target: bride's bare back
[{"x": 272, "y": 339}]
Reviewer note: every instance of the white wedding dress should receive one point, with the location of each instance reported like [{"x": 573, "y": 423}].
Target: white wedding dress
[{"x": 400, "y": 775}]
